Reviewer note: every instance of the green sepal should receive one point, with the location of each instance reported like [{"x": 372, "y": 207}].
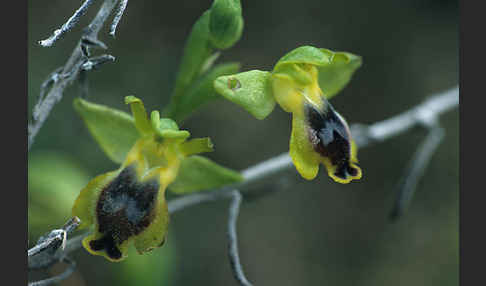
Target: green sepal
[
  {"x": 251, "y": 90},
  {"x": 335, "y": 76},
  {"x": 155, "y": 120},
  {"x": 197, "y": 146},
  {"x": 113, "y": 130},
  {"x": 198, "y": 173},
  {"x": 305, "y": 55},
  {"x": 201, "y": 92},
  {"x": 335, "y": 68},
  {"x": 226, "y": 23}
]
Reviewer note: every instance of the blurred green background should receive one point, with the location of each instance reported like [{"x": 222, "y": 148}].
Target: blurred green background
[{"x": 310, "y": 233}]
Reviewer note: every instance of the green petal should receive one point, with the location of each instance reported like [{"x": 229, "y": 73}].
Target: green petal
[
  {"x": 155, "y": 119},
  {"x": 112, "y": 129},
  {"x": 166, "y": 128},
  {"x": 251, "y": 90},
  {"x": 198, "y": 173},
  {"x": 154, "y": 235},
  {"x": 85, "y": 205},
  {"x": 174, "y": 134},
  {"x": 139, "y": 114},
  {"x": 196, "y": 146},
  {"x": 303, "y": 155},
  {"x": 160, "y": 124}
]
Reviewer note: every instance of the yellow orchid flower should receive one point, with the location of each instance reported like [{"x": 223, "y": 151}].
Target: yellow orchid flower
[
  {"x": 319, "y": 133},
  {"x": 301, "y": 83},
  {"x": 129, "y": 204}
]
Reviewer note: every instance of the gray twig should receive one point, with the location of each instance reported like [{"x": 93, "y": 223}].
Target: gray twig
[
  {"x": 424, "y": 113},
  {"x": 178, "y": 204},
  {"x": 52, "y": 78},
  {"x": 56, "y": 279},
  {"x": 234, "y": 257},
  {"x": 56, "y": 237},
  {"x": 415, "y": 170},
  {"x": 95, "y": 62},
  {"x": 42, "y": 254},
  {"x": 69, "y": 71},
  {"x": 88, "y": 42},
  {"x": 66, "y": 27},
  {"x": 119, "y": 13}
]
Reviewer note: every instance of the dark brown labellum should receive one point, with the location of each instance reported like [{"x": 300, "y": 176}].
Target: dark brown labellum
[
  {"x": 329, "y": 135},
  {"x": 125, "y": 208}
]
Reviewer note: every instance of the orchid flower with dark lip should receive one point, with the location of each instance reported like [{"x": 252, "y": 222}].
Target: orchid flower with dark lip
[
  {"x": 301, "y": 82},
  {"x": 319, "y": 133},
  {"x": 129, "y": 204}
]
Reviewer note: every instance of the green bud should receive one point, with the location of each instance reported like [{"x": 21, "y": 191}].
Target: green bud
[{"x": 225, "y": 23}]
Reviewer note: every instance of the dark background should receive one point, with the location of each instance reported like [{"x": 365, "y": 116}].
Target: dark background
[{"x": 312, "y": 232}]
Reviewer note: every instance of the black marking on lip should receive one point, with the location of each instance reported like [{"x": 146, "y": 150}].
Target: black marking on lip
[
  {"x": 108, "y": 244},
  {"x": 330, "y": 137},
  {"x": 125, "y": 208}
]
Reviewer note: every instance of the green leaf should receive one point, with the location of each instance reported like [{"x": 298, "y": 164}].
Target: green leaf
[
  {"x": 335, "y": 68},
  {"x": 196, "y": 52},
  {"x": 198, "y": 173},
  {"x": 251, "y": 90},
  {"x": 202, "y": 91},
  {"x": 113, "y": 130}
]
